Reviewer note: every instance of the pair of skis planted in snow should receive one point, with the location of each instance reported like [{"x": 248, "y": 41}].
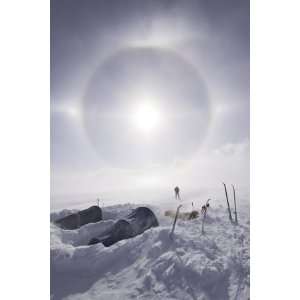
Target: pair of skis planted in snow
[
  {"x": 228, "y": 205},
  {"x": 205, "y": 211},
  {"x": 176, "y": 217}
]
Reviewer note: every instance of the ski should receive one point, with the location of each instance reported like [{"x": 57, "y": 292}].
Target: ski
[
  {"x": 207, "y": 204},
  {"x": 174, "y": 223}
]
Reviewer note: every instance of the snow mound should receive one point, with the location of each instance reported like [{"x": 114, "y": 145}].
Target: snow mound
[{"x": 214, "y": 265}]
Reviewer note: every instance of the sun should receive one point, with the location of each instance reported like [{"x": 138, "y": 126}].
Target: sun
[{"x": 147, "y": 117}]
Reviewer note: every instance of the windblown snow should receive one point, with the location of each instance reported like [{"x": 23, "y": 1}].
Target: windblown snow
[{"x": 214, "y": 265}]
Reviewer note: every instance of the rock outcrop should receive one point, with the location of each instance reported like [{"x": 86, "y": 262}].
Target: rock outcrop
[
  {"x": 138, "y": 221},
  {"x": 92, "y": 214}
]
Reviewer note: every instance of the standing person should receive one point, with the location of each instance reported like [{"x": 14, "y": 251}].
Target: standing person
[{"x": 177, "y": 196}]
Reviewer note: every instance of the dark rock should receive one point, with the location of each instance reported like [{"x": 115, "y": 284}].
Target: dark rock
[
  {"x": 121, "y": 230},
  {"x": 139, "y": 220},
  {"x": 91, "y": 215},
  {"x": 94, "y": 241}
]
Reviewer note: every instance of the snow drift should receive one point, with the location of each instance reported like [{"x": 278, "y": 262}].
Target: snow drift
[{"x": 207, "y": 266}]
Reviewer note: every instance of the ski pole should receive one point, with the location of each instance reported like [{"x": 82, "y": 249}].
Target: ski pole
[
  {"x": 235, "y": 212},
  {"x": 229, "y": 210}
]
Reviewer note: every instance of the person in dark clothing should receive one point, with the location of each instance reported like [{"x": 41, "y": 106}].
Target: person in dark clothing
[{"x": 177, "y": 196}]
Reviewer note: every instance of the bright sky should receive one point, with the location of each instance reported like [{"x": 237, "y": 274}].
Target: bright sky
[{"x": 147, "y": 97}]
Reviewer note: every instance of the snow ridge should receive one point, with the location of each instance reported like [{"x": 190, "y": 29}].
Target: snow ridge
[{"x": 150, "y": 266}]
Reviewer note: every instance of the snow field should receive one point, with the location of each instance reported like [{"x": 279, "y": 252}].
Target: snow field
[{"x": 150, "y": 266}]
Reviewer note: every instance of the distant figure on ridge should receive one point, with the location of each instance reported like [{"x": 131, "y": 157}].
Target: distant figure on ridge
[{"x": 177, "y": 196}]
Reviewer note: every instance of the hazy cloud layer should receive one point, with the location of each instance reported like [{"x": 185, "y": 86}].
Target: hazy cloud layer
[{"x": 211, "y": 36}]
